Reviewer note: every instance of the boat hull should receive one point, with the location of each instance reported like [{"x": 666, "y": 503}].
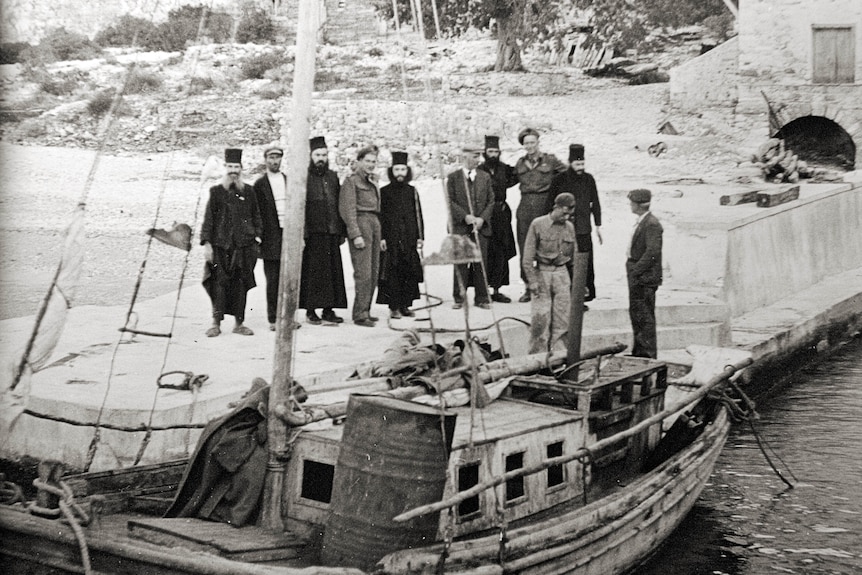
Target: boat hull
[{"x": 609, "y": 536}]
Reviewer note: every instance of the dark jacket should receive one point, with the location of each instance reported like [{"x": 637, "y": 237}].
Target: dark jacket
[
  {"x": 583, "y": 187},
  {"x": 503, "y": 177},
  {"x": 481, "y": 201},
  {"x": 321, "y": 204},
  {"x": 644, "y": 265},
  {"x": 270, "y": 238},
  {"x": 231, "y": 220}
]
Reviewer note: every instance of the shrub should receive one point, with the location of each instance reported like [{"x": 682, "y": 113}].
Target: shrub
[
  {"x": 256, "y": 27},
  {"x": 10, "y": 52},
  {"x": 201, "y": 84},
  {"x": 33, "y": 128},
  {"x": 273, "y": 91},
  {"x": 60, "y": 44},
  {"x": 127, "y": 31},
  {"x": 142, "y": 81},
  {"x": 59, "y": 86},
  {"x": 100, "y": 102},
  {"x": 183, "y": 24},
  {"x": 254, "y": 67}
]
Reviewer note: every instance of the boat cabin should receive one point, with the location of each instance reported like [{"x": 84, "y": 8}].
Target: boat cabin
[{"x": 538, "y": 418}]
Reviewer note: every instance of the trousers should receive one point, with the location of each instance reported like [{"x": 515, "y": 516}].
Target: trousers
[
  {"x": 366, "y": 264},
  {"x": 642, "y": 314},
  {"x": 550, "y": 311}
]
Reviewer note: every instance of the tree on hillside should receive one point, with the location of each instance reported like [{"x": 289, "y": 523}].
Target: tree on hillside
[{"x": 520, "y": 23}]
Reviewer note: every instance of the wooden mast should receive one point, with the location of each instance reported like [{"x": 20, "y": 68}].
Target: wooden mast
[{"x": 281, "y": 389}]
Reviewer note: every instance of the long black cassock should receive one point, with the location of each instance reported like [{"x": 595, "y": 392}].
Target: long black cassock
[
  {"x": 322, "y": 280},
  {"x": 401, "y": 226}
]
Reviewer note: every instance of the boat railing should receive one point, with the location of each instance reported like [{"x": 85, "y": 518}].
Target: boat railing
[{"x": 579, "y": 454}]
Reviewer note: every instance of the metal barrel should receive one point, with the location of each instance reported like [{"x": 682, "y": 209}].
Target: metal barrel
[{"x": 394, "y": 455}]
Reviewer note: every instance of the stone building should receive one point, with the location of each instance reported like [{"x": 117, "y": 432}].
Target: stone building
[{"x": 794, "y": 71}]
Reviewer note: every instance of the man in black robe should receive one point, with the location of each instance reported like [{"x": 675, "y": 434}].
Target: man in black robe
[
  {"x": 230, "y": 235},
  {"x": 322, "y": 280},
  {"x": 582, "y": 185},
  {"x": 402, "y": 233},
  {"x": 501, "y": 248}
]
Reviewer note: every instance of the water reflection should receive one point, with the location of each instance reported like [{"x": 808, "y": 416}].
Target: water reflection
[{"x": 747, "y": 522}]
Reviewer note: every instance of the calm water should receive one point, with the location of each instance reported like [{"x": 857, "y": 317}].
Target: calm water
[{"x": 747, "y": 522}]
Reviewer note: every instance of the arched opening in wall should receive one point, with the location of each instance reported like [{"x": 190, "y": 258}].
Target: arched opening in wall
[{"x": 819, "y": 141}]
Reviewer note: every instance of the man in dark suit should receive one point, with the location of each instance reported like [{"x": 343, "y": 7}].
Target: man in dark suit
[
  {"x": 643, "y": 269},
  {"x": 471, "y": 203},
  {"x": 270, "y": 190}
]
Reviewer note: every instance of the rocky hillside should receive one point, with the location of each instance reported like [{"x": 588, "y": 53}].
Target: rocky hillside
[{"x": 397, "y": 96}]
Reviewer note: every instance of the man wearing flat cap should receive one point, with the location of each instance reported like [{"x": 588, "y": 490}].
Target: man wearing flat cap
[
  {"x": 270, "y": 191},
  {"x": 548, "y": 253},
  {"x": 643, "y": 269},
  {"x": 471, "y": 205},
  {"x": 402, "y": 231},
  {"x": 535, "y": 171},
  {"x": 501, "y": 247},
  {"x": 322, "y": 280},
  {"x": 582, "y": 185},
  {"x": 230, "y": 235}
]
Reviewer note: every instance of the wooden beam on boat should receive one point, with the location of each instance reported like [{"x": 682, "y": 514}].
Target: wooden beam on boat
[
  {"x": 725, "y": 374},
  {"x": 291, "y": 263}
]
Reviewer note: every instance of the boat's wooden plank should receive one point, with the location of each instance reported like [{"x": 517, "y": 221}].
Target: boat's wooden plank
[{"x": 247, "y": 544}]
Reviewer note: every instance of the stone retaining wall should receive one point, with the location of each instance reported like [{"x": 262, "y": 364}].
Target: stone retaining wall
[{"x": 792, "y": 247}]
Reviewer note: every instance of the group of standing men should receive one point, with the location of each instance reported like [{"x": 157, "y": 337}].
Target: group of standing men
[{"x": 384, "y": 229}]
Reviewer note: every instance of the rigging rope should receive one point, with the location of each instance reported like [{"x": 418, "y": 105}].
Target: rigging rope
[{"x": 91, "y": 452}]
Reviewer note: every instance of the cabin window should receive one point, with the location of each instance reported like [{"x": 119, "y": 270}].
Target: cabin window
[
  {"x": 515, "y": 486},
  {"x": 834, "y": 55},
  {"x": 556, "y": 475},
  {"x": 317, "y": 481},
  {"x": 468, "y": 476}
]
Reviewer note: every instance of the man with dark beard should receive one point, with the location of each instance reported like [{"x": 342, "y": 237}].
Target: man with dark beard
[
  {"x": 501, "y": 248},
  {"x": 402, "y": 233},
  {"x": 322, "y": 280},
  {"x": 582, "y": 185},
  {"x": 230, "y": 235}
]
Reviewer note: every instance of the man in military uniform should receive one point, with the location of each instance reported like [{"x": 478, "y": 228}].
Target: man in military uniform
[
  {"x": 535, "y": 171},
  {"x": 548, "y": 252}
]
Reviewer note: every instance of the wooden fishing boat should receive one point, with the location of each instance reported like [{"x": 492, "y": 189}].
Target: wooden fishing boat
[
  {"x": 544, "y": 464},
  {"x": 557, "y": 475}
]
